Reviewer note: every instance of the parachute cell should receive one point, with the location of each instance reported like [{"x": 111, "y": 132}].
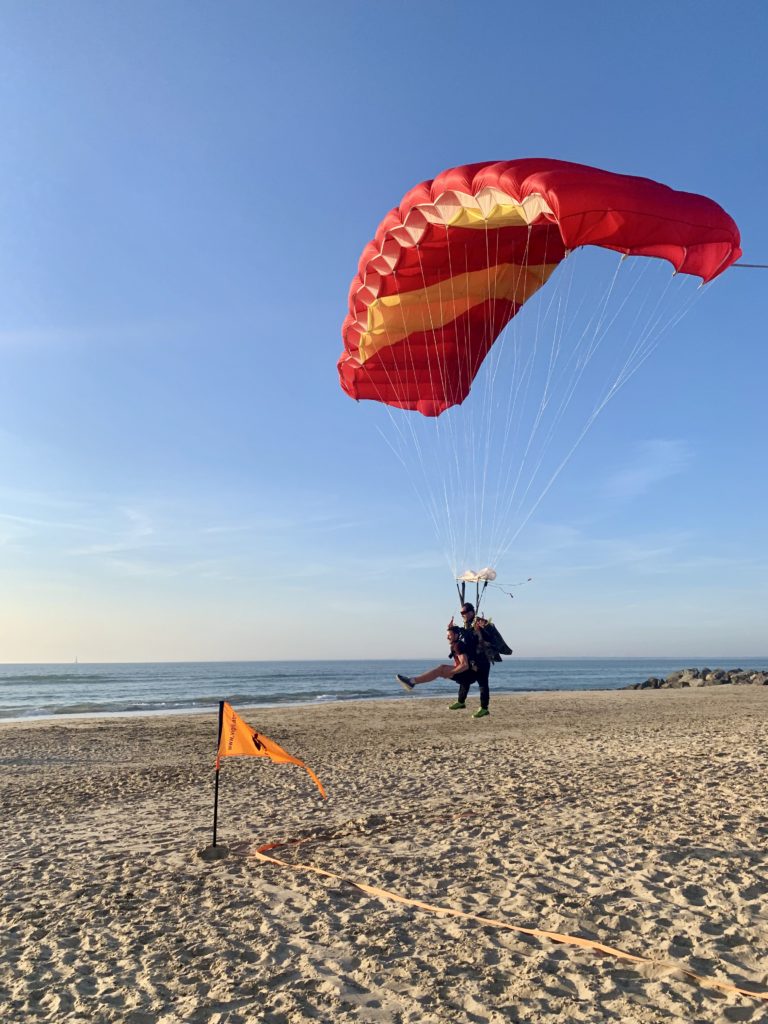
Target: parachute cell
[{"x": 452, "y": 264}]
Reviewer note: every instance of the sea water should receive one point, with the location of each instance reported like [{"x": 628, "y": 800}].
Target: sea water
[{"x": 34, "y": 691}]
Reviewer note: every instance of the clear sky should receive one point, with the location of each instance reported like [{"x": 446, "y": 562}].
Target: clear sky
[{"x": 185, "y": 189}]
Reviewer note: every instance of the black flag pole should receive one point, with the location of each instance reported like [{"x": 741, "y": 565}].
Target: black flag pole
[
  {"x": 216, "y": 785},
  {"x": 214, "y": 852}
]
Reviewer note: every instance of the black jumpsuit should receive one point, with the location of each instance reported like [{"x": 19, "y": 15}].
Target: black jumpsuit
[{"x": 479, "y": 670}]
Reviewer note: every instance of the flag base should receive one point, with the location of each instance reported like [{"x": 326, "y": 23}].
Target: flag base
[{"x": 212, "y": 853}]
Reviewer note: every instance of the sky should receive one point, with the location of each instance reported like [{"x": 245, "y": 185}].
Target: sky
[{"x": 185, "y": 190}]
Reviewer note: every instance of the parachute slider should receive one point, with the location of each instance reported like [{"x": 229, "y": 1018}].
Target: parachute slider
[{"x": 470, "y": 576}]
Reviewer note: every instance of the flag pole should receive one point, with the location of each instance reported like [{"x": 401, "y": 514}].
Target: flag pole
[
  {"x": 216, "y": 786},
  {"x": 214, "y": 852}
]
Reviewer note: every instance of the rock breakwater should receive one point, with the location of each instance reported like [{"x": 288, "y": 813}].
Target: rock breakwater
[{"x": 685, "y": 677}]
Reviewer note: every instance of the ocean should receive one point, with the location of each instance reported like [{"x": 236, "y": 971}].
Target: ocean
[{"x": 42, "y": 691}]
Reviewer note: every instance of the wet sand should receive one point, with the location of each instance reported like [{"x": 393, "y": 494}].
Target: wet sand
[{"x": 637, "y": 819}]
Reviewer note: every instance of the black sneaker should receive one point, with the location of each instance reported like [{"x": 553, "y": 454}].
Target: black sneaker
[{"x": 406, "y": 682}]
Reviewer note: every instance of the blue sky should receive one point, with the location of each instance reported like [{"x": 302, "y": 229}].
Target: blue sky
[{"x": 184, "y": 193}]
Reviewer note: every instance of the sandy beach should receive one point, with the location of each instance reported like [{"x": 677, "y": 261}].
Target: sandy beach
[{"x": 638, "y": 820}]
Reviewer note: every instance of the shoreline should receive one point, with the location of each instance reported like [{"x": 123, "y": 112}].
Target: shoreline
[
  {"x": 320, "y": 701},
  {"x": 683, "y": 660},
  {"x": 396, "y": 697},
  {"x": 632, "y": 818},
  {"x": 108, "y": 716}
]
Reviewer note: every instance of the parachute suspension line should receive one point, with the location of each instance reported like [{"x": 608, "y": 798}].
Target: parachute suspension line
[
  {"x": 520, "y": 406},
  {"x": 480, "y": 459},
  {"x": 632, "y": 328},
  {"x": 470, "y": 444},
  {"x": 544, "y": 400},
  {"x": 452, "y": 455},
  {"x": 596, "y": 334},
  {"x": 463, "y": 441},
  {"x": 751, "y": 266},
  {"x": 461, "y": 436},
  {"x": 583, "y": 354},
  {"x": 648, "y": 342},
  {"x": 441, "y": 429},
  {"x": 509, "y": 339},
  {"x": 585, "y": 347},
  {"x": 492, "y": 403},
  {"x": 430, "y": 369},
  {"x": 517, "y": 378},
  {"x": 497, "y": 353},
  {"x": 652, "y": 334},
  {"x": 469, "y": 440},
  {"x": 442, "y": 520},
  {"x": 428, "y": 506},
  {"x": 648, "y": 339},
  {"x": 528, "y": 377},
  {"x": 425, "y": 495},
  {"x": 583, "y": 350}
]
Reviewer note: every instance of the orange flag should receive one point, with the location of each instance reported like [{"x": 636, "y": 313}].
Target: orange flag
[{"x": 238, "y": 739}]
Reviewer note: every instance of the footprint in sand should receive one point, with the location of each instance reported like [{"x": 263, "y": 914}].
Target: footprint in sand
[{"x": 695, "y": 895}]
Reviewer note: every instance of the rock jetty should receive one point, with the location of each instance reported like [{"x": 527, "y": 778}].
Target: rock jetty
[{"x": 703, "y": 677}]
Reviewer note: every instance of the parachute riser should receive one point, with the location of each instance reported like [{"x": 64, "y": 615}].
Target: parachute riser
[{"x": 461, "y": 586}]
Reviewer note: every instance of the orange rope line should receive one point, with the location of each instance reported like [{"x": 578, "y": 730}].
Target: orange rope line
[{"x": 539, "y": 933}]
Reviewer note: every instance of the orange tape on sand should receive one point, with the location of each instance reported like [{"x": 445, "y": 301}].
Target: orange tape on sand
[{"x": 539, "y": 933}]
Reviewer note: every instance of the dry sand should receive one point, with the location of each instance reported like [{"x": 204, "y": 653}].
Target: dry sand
[{"x": 638, "y": 819}]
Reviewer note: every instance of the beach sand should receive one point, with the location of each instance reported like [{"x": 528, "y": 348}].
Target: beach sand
[{"x": 637, "y": 819}]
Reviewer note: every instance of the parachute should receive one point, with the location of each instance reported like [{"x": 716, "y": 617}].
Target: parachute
[
  {"x": 461, "y": 254},
  {"x": 446, "y": 274}
]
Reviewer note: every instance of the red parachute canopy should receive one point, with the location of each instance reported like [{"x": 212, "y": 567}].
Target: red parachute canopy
[{"x": 454, "y": 262}]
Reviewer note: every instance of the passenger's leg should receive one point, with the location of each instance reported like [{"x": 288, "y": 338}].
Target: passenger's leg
[{"x": 438, "y": 672}]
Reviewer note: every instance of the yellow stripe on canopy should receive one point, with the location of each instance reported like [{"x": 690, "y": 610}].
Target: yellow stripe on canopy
[{"x": 393, "y": 317}]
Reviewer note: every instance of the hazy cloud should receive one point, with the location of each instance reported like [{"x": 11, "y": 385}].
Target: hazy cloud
[{"x": 653, "y": 462}]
